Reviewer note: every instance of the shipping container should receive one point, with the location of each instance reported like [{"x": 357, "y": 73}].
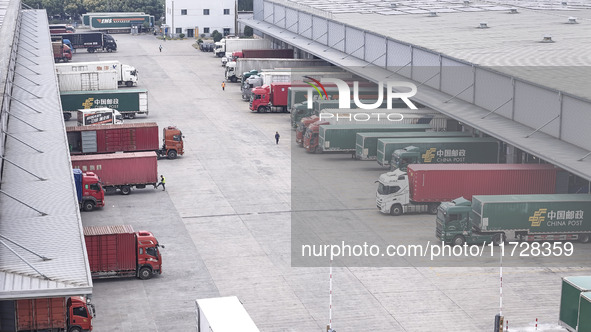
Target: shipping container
[
  {"x": 110, "y": 248},
  {"x": 366, "y": 144},
  {"x": 117, "y": 22},
  {"x": 223, "y": 314},
  {"x": 269, "y": 53},
  {"x": 341, "y": 137},
  {"x": 443, "y": 150},
  {"x": 570, "y": 295},
  {"x": 441, "y": 182},
  {"x": 121, "y": 170},
  {"x": 127, "y": 137},
  {"x": 41, "y": 314},
  {"x": 87, "y": 81},
  {"x": 584, "y": 322},
  {"x": 91, "y": 41},
  {"x": 128, "y": 102}
]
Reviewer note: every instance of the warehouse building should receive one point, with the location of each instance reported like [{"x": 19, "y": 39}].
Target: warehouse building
[{"x": 196, "y": 18}]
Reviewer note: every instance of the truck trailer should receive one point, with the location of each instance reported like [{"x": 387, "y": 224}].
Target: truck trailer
[
  {"x": 126, "y": 74},
  {"x": 223, "y": 314},
  {"x": 63, "y": 314},
  {"x": 439, "y": 150},
  {"x": 571, "y": 298},
  {"x": 128, "y": 137},
  {"x": 422, "y": 187},
  {"x": 89, "y": 192},
  {"x": 239, "y": 44},
  {"x": 91, "y": 41},
  {"x": 121, "y": 171},
  {"x": 129, "y": 102},
  {"x": 99, "y": 116},
  {"x": 366, "y": 144},
  {"x": 87, "y": 81},
  {"x": 495, "y": 218},
  {"x": 118, "y": 252}
]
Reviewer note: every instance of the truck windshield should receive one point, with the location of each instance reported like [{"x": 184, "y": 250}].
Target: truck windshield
[
  {"x": 152, "y": 251},
  {"x": 387, "y": 190}
]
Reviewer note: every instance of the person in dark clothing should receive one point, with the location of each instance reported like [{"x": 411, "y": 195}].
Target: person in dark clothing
[
  {"x": 162, "y": 182},
  {"x": 277, "y": 137},
  {"x": 160, "y": 48}
]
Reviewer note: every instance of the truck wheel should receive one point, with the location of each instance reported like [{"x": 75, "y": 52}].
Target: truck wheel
[
  {"x": 458, "y": 240},
  {"x": 88, "y": 206},
  {"x": 129, "y": 83},
  {"x": 90, "y": 50},
  {"x": 172, "y": 154},
  {"x": 145, "y": 273},
  {"x": 109, "y": 50},
  {"x": 75, "y": 329},
  {"x": 584, "y": 238},
  {"x": 396, "y": 210},
  {"x": 498, "y": 239},
  {"x": 132, "y": 116},
  {"x": 318, "y": 149},
  {"x": 433, "y": 208},
  {"x": 125, "y": 190},
  {"x": 261, "y": 109}
]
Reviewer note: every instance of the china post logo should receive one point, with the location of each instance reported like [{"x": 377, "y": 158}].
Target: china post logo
[
  {"x": 88, "y": 103},
  {"x": 538, "y": 217},
  {"x": 429, "y": 155}
]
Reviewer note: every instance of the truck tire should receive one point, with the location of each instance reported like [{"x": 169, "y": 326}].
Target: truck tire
[
  {"x": 396, "y": 210},
  {"x": 261, "y": 109},
  {"x": 172, "y": 154},
  {"x": 145, "y": 273},
  {"x": 130, "y": 83},
  {"x": 458, "y": 240},
  {"x": 584, "y": 238},
  {"x": 109, "y": 50},
  {"x": 90, "y": 50},
  {"x": 75, "y": 329},
  {"x": 125, "y": 190},
  {"x": 433, "y": 207},
  {"x": 498, "y": 239},
  {"x": 88, "y": 206}
]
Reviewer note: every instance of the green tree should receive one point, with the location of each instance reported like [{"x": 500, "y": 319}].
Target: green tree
[{"x": 216, "y": 35}]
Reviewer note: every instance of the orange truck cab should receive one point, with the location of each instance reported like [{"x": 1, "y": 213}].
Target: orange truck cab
[
  {"x": 311, "y": 137},
  {"x": 303, "y": 127},
  {"x": 172, "y": 143},
  {"x": 89, "y": 190}
]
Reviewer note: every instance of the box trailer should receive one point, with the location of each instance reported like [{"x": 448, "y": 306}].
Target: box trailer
[
  {"x": 91, "y": 41},
  {"x": 223, "y": 314},
  {"x": 239, "y": 44},
  {"x": 423, "y": 186},
  {"x": 570, "y": 295},
  {"x": 87, "y": 81},
  {"x": 63, "y": 314},
  {"x": 584, "y": 321},
  {"x": 129, "y": 102},
  {"x": 121, "y": 171},
  {"x": 118, "y": 252},
  {"x": 126, "y": 74},
  {"x": 553, "y": 217},
  {"x": 366, "y": 144},
  {"x": 440, "y": 150},
  {"x": 99, "y": 116},
  {"x": 118, "y": 23}
]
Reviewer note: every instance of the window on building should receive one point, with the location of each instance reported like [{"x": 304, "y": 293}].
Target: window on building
[
  {"x": 206, "y": 12},
  {"x": 183, "y": 12},
  {"x": 205, "y": 30},
  {"x": 226, "y": 12},
  {"x": 226, "y": 31},
  {"x": 179, "y": 30}
]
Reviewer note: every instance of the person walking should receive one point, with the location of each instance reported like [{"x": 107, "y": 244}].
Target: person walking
[
  {"x": 160, "y": 48},
  {"x": 277, "y": 137},
  {"x": 223, "y": 85},
  {"x": 162, "y": 182}
]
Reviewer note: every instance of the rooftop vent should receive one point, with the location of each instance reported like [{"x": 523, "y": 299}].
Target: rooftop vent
[
  {"x": 432, "y": 14},
  {"x": 572, "y": 20},
  {"x": 483, "y": 25},
  {"x": 547, "y": 39},
  {"x": 393, "y": 5},
  {"x": 466, "y": 3},
  {"x": 564, "y": 3},
  {"x": 513, "y": 11}
]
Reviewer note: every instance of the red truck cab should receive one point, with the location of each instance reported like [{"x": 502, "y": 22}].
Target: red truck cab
[
  {"x": 172, "y": 144},
  {"x": 303, "y": 127},
  {"x": 311, "y": 137},
  {"x": 148, "y": 255},
  {"x": 89, "y": 190},
  {"x": 267, "y": 97}
]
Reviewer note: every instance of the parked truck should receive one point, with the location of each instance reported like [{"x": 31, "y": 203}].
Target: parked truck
[
  {"x": 61, "y": 52},
  {"x": 238, "y": 44},
  {"x": 313, "y": 142},
  {"x": 56, "y": 314},
  {"x": 574, "y": 303},
  {"x": 99, "y": 116},
  {"x": 223, "y": 314},
  {"x": 87, "y": 81},
  {"x": 89, "y": 192},
  {"x": 118, "y": 252},
  {"x": 121, "y": 171},
  {"x": 495, "y": 218},
  {"x": 91, "y": 41},
  {"x": 126, "y": 74},
  {"x": 128, "y": 102},
  {"x": 366, "y": 144},
  {"x": 271, "y": 97},
  {"x": 423, "y": 187},
  {"x": 134, "y": 137},
  {"x": 439, "y": 150}
]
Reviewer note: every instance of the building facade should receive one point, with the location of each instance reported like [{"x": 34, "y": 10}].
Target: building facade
[{"x": 198, "y": 17}]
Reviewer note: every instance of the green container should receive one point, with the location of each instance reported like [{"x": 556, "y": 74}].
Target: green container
[
  {"x": 366, "y": 147},
  {"x": 475, "y": 149},
  {"x": 540, "y": 214},
  {"x": 584, "y": 324},
  {"x": 572, "y": 287},
  {"x": 124, "y": 100},
  {"x": 342, "y": 137},
  {"x": 111, "y": 22}
]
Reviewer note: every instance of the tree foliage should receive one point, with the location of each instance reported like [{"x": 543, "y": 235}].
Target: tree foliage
[
  {"x": 216, "y": 35},
  {"x": 74, "y": 8}
]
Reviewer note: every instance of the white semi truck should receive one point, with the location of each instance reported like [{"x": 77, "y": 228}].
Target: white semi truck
[
  {"x": 126, "y": 74},
  {"x": 223, "y": 314},
  {"x": 239, "y": 44}
]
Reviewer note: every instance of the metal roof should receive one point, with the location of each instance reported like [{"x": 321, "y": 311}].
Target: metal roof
[
  {"x": 42, "y": 251},
  {"x": 539, "y": 144}
]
